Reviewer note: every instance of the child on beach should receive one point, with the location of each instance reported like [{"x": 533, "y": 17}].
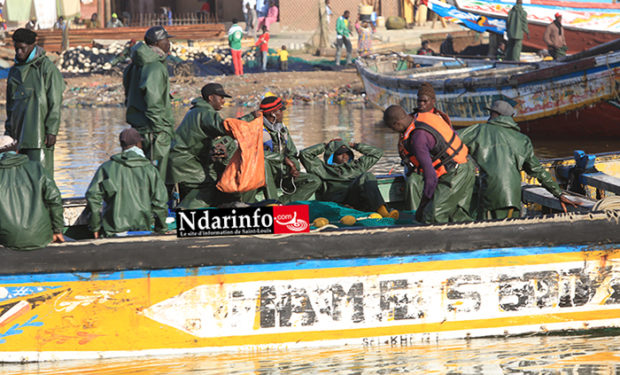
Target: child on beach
[{"x": 283, "y": 53}]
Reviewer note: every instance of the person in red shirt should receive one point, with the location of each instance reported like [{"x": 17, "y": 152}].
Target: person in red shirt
[{"x": 263, "y": 43}]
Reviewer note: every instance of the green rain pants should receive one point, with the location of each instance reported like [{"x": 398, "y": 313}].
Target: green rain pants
[{"x": 452, "y": 199}]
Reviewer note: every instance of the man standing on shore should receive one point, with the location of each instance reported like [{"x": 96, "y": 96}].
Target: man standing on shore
[
  {"x": 263, "y": 44},
  {"x": 235, "y": 34},
  {"x": 33, "y": 98},
  {"x": 343, "y": 37},
  {"x": 147, "y": 96},
  {"x": 516, "y": 25}
]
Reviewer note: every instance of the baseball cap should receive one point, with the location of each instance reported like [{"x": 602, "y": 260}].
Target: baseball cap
[
  {"x": 129, "y": 137},
  {"x": 155, "y": 34},
  {"x": 502, "y": 107},
  {"x": 213, "y": 89}
]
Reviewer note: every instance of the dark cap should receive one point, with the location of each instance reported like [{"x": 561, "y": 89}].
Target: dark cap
[
  {"x": 502, "y": 107},
  {"x": 129, "y": 137},
  {"x": 24, "y": 36},
  {"x": 213, "y": 89},
  {"x": 155, "y": 34},
  {"x": 272, "y": 104}
]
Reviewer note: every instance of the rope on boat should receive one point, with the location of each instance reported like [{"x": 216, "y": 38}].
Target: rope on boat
[{"x": 610, "y": 203}]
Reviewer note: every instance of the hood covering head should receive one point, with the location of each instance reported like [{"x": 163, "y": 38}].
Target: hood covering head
[{"x": 336, "y": 147}]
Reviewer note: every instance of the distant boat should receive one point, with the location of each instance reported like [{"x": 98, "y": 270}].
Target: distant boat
[
  {"x": 586, "y": 24},
  {"x": 551, "y": 98}
]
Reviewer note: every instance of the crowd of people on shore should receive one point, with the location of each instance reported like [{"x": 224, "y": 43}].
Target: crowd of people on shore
[{"x": 191, "y": 164}]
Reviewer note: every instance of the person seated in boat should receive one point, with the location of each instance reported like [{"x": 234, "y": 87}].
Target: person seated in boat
[
  {"x": 281, "y": 158},
  {"x": 201, "y": 150},
  {"x": 502, "y": 152},
  {"x": 346, "y": 180},
  {"x": 30, "y": 203},
  {"x": 555, "y": 39},
  {"x": 447, "y": 46},
  {"x": 129, "y": 189},
  {"x": 426, "y": 49},
  {"x": 437, "y": 158}
]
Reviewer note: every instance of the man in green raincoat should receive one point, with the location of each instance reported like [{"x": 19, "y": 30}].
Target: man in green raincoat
[
  {"x": 281, "y": 159},
  {"x": 134, "y": 194},
  {"x": 502, "y": 152},
  {"x": 30, "y": 202},
  {"x": 201, "y": 150},
  {"x": 346, "y": 180},
  {"x": 516, "y": 25},
  {"x": 147, "y": 96},
  {"x": 33, "y": 99}
]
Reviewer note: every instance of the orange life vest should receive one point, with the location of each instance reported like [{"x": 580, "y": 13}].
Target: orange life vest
[{"x": 449, "y": 150}]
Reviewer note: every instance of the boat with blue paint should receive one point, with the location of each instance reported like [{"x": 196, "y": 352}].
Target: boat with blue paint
[{"x": 551, "y": 98}]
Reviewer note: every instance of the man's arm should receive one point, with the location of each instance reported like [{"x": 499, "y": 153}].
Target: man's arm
[
  {"x": 533, "y": 167},
  {"x": 94, "y": 199},
  {"x": 309, "y": 157},
  {"x": 153, "y": 88},
  {"x": 370, "y": 155},
  {"x": 53, "y": 202},
  {"x": 422, "y": 142},
  {"x": 8, "y": 126},
  {"x": 159, "y": 202},
  {"x": 54, "y": 87}
]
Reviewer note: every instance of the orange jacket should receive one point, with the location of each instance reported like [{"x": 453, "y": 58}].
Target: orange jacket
[
  {"x": 448, "y": 150},
  {"x": 246, "y": 170}
]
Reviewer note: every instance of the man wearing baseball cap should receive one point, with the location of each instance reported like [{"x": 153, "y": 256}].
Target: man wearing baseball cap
[
  {"x": 147, "y": 96},
  {"x": 502, "y": 152},
  {"x": 134, "y": 194},
  {"x": 200, "y": 151},
  {"x": 555, "y": 39},
  {"x": 282, "y": 159}
]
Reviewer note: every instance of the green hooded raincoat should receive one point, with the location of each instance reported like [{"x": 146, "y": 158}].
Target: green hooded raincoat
[
  {"x": 348, "y": 183},
  {"x": 33, "y": 99},
  {"x": 133, "y": 193},
  {"x": 278, "y": 146},
  {"x": 502, "y": 152},
  {"x": 190, "y": 162},
  {"x": 516, "y": 25},
  {"x": 147, "y": 98},
  {"x": 30, "y": 204}
]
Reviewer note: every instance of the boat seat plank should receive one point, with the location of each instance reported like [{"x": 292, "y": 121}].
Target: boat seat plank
[
  {"x": 601, "y": 181},
  {"x": 540, "y": 195}
]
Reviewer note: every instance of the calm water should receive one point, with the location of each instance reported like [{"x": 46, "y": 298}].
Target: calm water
[
  {"x": 89, "y": 136},
  {"x": 533, "y": 355}
]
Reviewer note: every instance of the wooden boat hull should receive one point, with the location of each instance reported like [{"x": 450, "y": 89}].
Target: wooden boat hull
[
  {"x": 543, "y": 97},
  {"x": 586, "y": 24},
  {"x": 366, "y": 287}
]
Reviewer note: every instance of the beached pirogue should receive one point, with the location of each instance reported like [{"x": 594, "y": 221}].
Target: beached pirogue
[
  {"x": 551, "y": 98},
  {"x": 155, "y": 295}
]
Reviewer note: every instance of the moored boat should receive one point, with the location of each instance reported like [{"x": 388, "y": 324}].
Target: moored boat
[
  {"x": 156, "y": 295},
  {"x": 550, "y": 97},
  {"x": 586, "y": 24}
]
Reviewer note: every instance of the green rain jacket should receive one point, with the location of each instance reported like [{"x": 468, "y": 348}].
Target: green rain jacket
[
  {"x": 277, "y": 146},
  {"x": 342, "y": 27},
  {"x": 147, "y": 91},
  {"x": 133, "y": 192},
  {"x": 336, "y": 178},
  {"x": 516, "y": 23},
  {"x": 189, "y": 156},
  {"x": 502, "y": 151},
  {"x": 33, "y": 98},
  {"x": 30, "y": 204}
]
